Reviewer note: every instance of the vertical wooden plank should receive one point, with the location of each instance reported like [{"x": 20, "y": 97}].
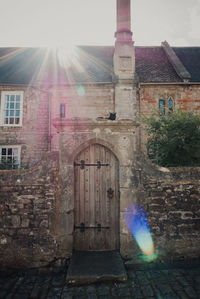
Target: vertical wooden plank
[
  {"x": 87, "y": 198},
  {"x": 97, "y": 234},
  {"x": 113, "y": 203},
  {"x": 92, "y": 170}
]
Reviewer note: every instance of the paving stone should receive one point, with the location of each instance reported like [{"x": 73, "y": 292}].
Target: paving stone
[
  {"x": 190, "y": 292},
  {"x": 3, "y": 293},
  {"x": 182, "y": 295},
  {"x": 137, "y": 293},
  {"x": 58, "y": 280},
  {"x": 176, "y": 286},
  {"x": 35, "y": 291},
  {"x": 91, "y": 289},
  {"x": 182, "y": 280},
  {"x": 67, "y": 291},
  {"x": 44, "y": 291},
  {"x": 54, "y": 293},
  {"x": 103, "y": 290},
  {"x": 124, "y": 292},
  {"x": 165, "y": 289},
  {"x": 114, "y": 292},
  {"x": 92, "y": 296},
  {"x": 20, "y": 296},
  {"x": 79, "y": 291},
  {"x": 147, "y": 290}
]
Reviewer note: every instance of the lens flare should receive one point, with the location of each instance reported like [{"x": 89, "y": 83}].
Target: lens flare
[
  {"x": 137, "y": 223},
  {"x": 80, "y": 90}
]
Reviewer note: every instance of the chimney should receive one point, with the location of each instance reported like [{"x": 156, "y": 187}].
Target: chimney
[
  {"x": 123, "y": 33},
  {"x": 124, "y": 64}
]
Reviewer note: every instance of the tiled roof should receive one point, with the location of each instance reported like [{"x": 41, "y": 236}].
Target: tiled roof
[
  {"x": 152, "y": 65},
  {"x": 91, "y": 64},
  {"x": 190, "y": 57},
  {"x": 25, "y": 65}
]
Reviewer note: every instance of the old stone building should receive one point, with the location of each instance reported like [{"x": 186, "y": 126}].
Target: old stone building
[{"x": 70, "y": 132}]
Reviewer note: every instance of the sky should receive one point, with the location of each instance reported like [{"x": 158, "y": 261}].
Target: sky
[{"x": 52, "y": 23}]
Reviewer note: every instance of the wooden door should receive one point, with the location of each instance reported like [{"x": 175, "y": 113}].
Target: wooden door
[{"x": 96, "y": 200}]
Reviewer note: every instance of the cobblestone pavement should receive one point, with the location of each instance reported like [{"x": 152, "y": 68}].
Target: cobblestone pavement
[{"x": 182, "y": 282}]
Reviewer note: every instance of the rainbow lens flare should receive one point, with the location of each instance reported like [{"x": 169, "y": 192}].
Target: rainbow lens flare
[{"x": 137, "y": 223}]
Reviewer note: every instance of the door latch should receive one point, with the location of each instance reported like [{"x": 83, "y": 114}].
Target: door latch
[{"x": 110, "y": 192}]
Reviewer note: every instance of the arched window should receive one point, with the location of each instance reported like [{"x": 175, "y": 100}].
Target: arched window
[
  {"x": 162, "y": 106},
  {"x": 170, "y": 105}
]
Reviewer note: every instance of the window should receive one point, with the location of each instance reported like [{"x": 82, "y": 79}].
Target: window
[
  {"x": 11, "y": 108},
  {"x": 163, "y": 108},
  {"x": 62, "y": 110},
  {"x": 10, "y": 156},
  {"x": 170, "y": 105}
]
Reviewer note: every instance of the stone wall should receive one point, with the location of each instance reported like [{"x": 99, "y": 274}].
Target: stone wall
[
  {"x": 171, "y": 200},
  {"x": 28, "y": 219}
]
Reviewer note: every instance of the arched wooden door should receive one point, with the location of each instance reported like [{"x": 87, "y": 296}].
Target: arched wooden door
[{"x": 96, "y": 199}]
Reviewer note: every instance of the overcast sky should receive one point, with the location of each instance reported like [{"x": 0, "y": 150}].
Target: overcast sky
[{"x": 93, "y": 22}]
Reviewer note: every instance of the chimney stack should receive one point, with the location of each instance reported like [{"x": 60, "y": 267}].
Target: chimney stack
[
  {"x": 123, "y": 33},
  {"x": 124, "y": 64}
]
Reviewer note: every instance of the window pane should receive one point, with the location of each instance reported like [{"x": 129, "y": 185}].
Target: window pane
[
  {"x": 15, "y": 151},
  {"x": 17, "y": 120},
  {"x": 11, "y": 112},
  {"x": 6, "y": 113},
  {"x": 10, "y": 151},
  {"x": 12, "y": 98},
  {"x": 6, "y": 121},
  {"x": 18, "y": 98},
  {"x": 12, "y": 105},
  {"x": 162, "y": 106},
  {"x": 17, "y": 113},
  {"x": 17, "y": 105},
  {"x": 11, "y": 120},
  {"x": 3, "y": 151},
  {"x": 7, "y": 97},
  {"x": 170, "y": 104}
]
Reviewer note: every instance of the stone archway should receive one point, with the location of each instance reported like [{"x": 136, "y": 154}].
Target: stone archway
[{"x": 96, "y": 204}]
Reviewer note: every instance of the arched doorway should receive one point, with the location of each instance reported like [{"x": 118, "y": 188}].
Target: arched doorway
[{"x": 96, "y": 199}]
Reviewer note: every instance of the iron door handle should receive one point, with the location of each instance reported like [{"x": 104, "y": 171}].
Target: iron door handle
[{"x": 110, "y": 193}]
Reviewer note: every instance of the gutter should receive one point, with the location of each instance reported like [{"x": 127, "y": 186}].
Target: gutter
[{"x": 169, "y": 83}]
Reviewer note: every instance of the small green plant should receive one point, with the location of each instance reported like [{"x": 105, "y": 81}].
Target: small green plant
[{"x": 174, "y": 139}]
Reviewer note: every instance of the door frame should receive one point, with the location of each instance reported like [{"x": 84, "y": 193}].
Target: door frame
[{"x": 110, "y": 147}]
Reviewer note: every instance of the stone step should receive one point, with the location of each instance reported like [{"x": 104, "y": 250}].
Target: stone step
[{"x": 92, "y": 266}]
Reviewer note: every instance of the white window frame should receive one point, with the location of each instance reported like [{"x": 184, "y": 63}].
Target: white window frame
[
  {"x": 13, "y": 147},
  {"x": 2, "y": 105}
]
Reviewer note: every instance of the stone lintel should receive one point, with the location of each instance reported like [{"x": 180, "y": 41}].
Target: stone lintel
[{"x": 58, "y": 123}]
